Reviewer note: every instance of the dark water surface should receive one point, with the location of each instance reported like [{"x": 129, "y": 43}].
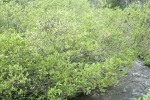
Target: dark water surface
[{"x": 136, "y": 84}]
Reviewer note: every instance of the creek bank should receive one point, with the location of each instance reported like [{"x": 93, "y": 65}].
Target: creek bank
[{"x": 135, "y": 84}]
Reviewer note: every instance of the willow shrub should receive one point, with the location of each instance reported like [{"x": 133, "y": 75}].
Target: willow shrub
[
  {"x": 139, "y": 23},
  {"x": 57, "y": 49},
  {"x": 146, "y": 97}
]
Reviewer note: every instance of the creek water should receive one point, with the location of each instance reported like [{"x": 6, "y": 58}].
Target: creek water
[{"x": 135, "y": 84}]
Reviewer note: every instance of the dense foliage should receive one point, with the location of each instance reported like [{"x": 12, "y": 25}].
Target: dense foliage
[
  {"x": 147, "y": 97},
  {"x": 57, "y": 49}
]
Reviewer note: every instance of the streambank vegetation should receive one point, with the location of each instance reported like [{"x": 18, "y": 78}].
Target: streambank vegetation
[{"x": 57, "y": 49}]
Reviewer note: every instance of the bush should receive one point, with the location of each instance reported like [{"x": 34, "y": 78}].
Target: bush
[
  {"x": 60, "y": 49},
  {"x": 147, "y": 97}
]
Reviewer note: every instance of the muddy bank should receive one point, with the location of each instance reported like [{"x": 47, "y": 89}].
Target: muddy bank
[{"x": 136, "y": 84}]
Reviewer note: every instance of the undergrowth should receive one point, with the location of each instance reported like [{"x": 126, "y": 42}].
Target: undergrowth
[{"x": 57, "y": 49}]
